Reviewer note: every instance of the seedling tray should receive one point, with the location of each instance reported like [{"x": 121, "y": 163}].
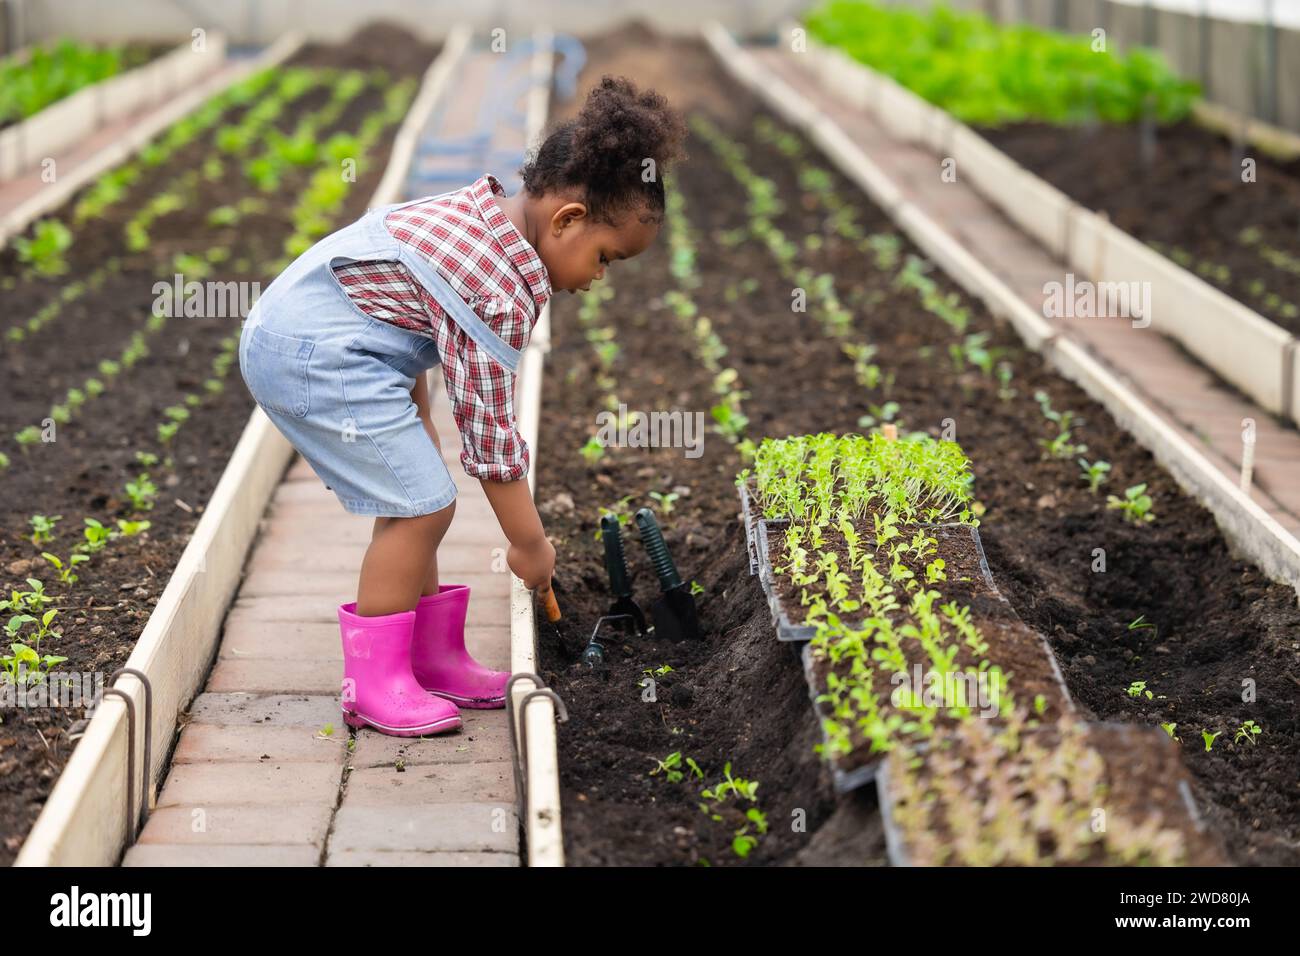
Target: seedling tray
[
  {"x": 789, "y": 630},
  {"x": 749, "y": 517},
  {"x": 844, "y": 781},
  {"x": 851, "y": 778},
  {"x": 1130, "y": 747}
]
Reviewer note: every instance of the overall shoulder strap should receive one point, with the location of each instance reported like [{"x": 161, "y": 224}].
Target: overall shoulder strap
[{"x": 478, "y": 330}]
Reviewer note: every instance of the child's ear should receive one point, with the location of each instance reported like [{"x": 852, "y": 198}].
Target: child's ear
[{"x": 567, "y": 215}]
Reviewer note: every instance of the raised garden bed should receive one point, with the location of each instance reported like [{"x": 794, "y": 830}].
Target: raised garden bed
[
  {"x": 1076, "y": 117},
  {"x": 739, "y": 696},
  {"x": 165, "y": 406},
  {"x": 42, "y": 75},
  {"x": 1188, "y": 201}
]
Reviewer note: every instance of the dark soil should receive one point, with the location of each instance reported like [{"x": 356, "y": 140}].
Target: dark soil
[
  {"x": 83, "y": 472},
  {"x": 738, "y": 695},
  {"x": 1190, "y": 197}
]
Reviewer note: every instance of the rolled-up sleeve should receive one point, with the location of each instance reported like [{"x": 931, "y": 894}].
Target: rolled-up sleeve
[{"x": 482, "y": 392}]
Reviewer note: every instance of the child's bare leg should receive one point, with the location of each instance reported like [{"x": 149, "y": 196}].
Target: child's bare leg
[
  {"x": 431, "y": 580},
  {"x": 400, "y": 562}
]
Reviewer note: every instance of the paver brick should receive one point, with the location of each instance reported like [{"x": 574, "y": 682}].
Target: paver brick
[
  {"x": 238, "y": 825},
  {"x": 166, "y": 854},
  {"x": 431, "y": 783},
  {"x": 266, "y": 783},
  {"x": 275, "y": 675},
  {"x": 245, "y": 637},
  {"x": 277, "y": 710},
  {"x": 440, "y": 826},
  {"x": 408, "y": 858},
  {"x": 484, "y": 736}
]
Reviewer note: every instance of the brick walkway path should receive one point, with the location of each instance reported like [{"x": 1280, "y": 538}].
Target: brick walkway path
[
  {"x": 254, "y": 781},
  {"x": 1186, "y": 394}
]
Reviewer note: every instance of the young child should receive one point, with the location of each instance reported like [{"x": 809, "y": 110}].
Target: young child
[{"x": 336, "y": 349}]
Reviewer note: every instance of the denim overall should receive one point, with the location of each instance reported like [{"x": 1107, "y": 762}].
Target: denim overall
[{"x": 337, "y": 383}]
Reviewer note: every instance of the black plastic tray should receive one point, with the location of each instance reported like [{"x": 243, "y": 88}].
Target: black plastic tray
[{"x": 896, "y": 846}]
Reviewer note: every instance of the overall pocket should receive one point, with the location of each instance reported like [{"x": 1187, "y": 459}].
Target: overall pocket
[{"x": 275, "y": 370}]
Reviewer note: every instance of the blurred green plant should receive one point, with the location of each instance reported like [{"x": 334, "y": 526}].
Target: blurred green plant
[{"x": 987, "y": 74}]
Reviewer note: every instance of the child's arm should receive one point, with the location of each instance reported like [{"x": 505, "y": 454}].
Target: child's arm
[
  {"x": 482, "y": 402},
  {"x": 531, "y": 555}
]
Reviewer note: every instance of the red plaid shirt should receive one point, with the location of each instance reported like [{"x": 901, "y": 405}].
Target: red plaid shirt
[{"x": 480, "y": 253}]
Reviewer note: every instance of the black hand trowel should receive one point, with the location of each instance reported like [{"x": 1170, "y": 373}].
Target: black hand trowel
[
  {"x": 624, "y": 610},
  {"x": 674, "y": 610}
]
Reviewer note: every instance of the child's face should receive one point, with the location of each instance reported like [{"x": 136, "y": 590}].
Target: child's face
[{"x": 576, "y": 250}]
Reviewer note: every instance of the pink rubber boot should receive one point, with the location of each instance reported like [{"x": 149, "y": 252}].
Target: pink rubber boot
[
  {"x": 379, "y": 689},
  {"x": 438, "y": 656}
]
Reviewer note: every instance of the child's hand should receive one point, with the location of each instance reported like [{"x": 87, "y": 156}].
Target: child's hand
[{"x": 533, "y": 563}]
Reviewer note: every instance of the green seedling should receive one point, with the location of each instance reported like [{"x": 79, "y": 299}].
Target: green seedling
[
  {"x": 142, "y": 492},
  {"x": 658, "y": 671},
  {"x": 730, "y": 421},
  {"x": 1209, "y": 739},
  {"x": 97, "y": 537},
  {"x": 1135, "y": 506},
  {"x": 25, "y": 665},
  {"x": 15, "y": 624},
  {"x": 1140, "y": 623},
  {"x": 32, "y": 600},
  {"x": 1169, "y": 729},
  {"x": 44, "y": 250},
  {"x": 665, "y": 500},
  {"x": 669, "y": 767},
  {"x": 1060, "y": 446},
  {"x": 1139, "y": 689},
  {"x": 65, "y": 568},
  {"x": 1248, "y": 732},
  {"x": 129, "y": 529},
  {"x": 696, "y": 588},
  {"x": 43, "y": 527},
  {"x": 973, "y": 351},
  {"x": 880, "y": 414},
  {"x": 593, "y": 451},
  {"x": 1094, "y": 474},
  {"x": 1004, "y": 374}
]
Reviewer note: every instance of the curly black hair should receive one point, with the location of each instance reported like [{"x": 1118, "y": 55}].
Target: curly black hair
[{"x": 603, "y": 152}]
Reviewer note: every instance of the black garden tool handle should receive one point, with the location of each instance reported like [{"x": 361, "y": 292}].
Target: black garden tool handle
[
  {"x": 615, "y": 561},
  {"x": 653, "y": 540}
]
